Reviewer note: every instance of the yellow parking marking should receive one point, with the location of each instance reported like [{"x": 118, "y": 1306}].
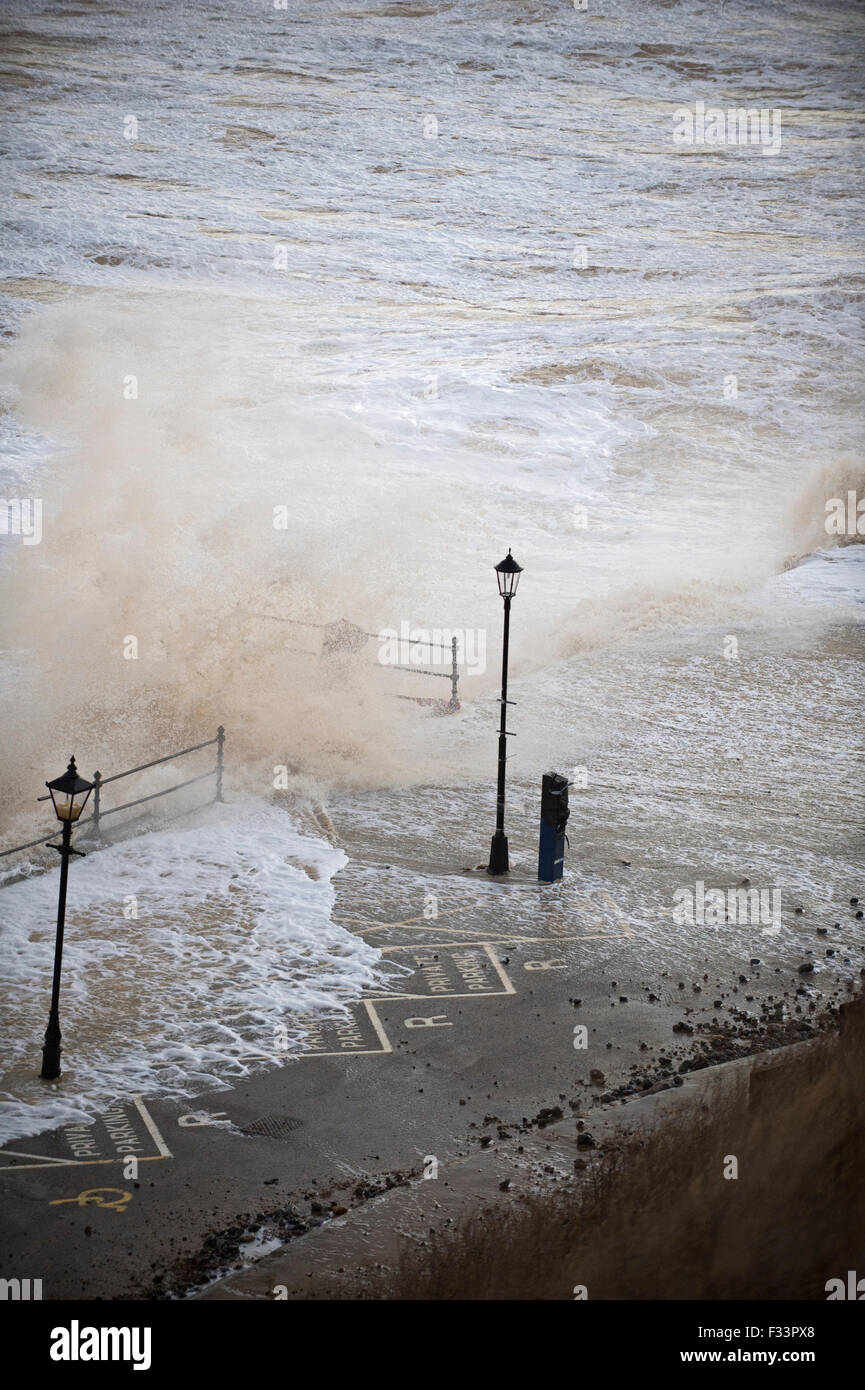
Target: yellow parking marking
[
  {"x": 92, "y": 1198},
  {"x": 49, "y": 1161},
  {"x": 44, "y": 1161}
]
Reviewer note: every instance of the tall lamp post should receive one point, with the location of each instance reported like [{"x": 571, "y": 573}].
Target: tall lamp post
[
  {"x": 508, "y": 575},
  {"x": 69, "y": 795}
]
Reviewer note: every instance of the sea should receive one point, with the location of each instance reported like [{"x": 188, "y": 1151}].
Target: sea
[{"x": 311, "y": 312}]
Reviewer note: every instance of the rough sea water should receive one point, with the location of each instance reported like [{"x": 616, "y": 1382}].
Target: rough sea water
[{"x": 310, "y": 313}]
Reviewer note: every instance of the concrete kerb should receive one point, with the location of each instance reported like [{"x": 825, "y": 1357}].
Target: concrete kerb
[{"x": 328, "y": 1261}]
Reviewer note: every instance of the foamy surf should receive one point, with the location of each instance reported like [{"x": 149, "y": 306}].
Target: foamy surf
[
  {"x": 192, "y": 955},
  {"x": 533, "y": 320},
  {"x": 834, "y": 576}
]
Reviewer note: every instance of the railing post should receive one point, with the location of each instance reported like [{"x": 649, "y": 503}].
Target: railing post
[
  {"x": 220, "y": 743},
  {"x": 97, "y": 792},
  {"x": 455, "y": 675}
]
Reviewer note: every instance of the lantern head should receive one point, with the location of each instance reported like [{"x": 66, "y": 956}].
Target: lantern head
[
  {"x": 508, "y": 575},
  {"x": 69, "y": 793}
]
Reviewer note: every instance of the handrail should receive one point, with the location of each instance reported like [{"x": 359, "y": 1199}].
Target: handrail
[
  {"x": 420, "y": 671},
  {"x": 142, "y": 767},
  {"x": 453, "y": 675},
  {"x": 410, "y": 641},
  {"x": 29, "y": 845},
  {"x": 99, "y": 782},
  {"x": 152, "y": 797}
]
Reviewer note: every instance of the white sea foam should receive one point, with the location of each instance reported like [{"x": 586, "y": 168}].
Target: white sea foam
[
  {"x": 232, "y": 940},
  {"x": 833, "y": 577},
  {"x": 426, "y": 348}
]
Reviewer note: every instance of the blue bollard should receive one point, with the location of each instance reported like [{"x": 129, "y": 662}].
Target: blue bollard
[{"x": 554, "y": 818}]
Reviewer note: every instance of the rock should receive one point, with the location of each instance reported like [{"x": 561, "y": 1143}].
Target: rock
[
  {"x": 505, "y": 1185},
  {"x": 585, "y": 1141},
  {"x": 682, "y": 1028},
  {"x": 338, "y": 1211},
  {"x": 548, "y": 1115},
  {"x": 596, "y": 1077},
  {"x": 806, "y": 967}
]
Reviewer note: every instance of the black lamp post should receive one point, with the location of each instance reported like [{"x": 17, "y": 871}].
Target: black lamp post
[
  {"x": 69, "y": 795},
  {"x": 508, "y": 575}
]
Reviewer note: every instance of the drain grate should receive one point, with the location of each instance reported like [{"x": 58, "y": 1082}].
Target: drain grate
[{"x": 273, "y": 1126}]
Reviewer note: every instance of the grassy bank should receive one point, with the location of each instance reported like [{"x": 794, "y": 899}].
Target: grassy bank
[{"x": 657, "y": 1213}]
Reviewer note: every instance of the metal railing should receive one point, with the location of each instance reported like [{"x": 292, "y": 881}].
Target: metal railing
[
  {"x": 98, "y": 814},
  {"x": 453, "y": 675}
]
